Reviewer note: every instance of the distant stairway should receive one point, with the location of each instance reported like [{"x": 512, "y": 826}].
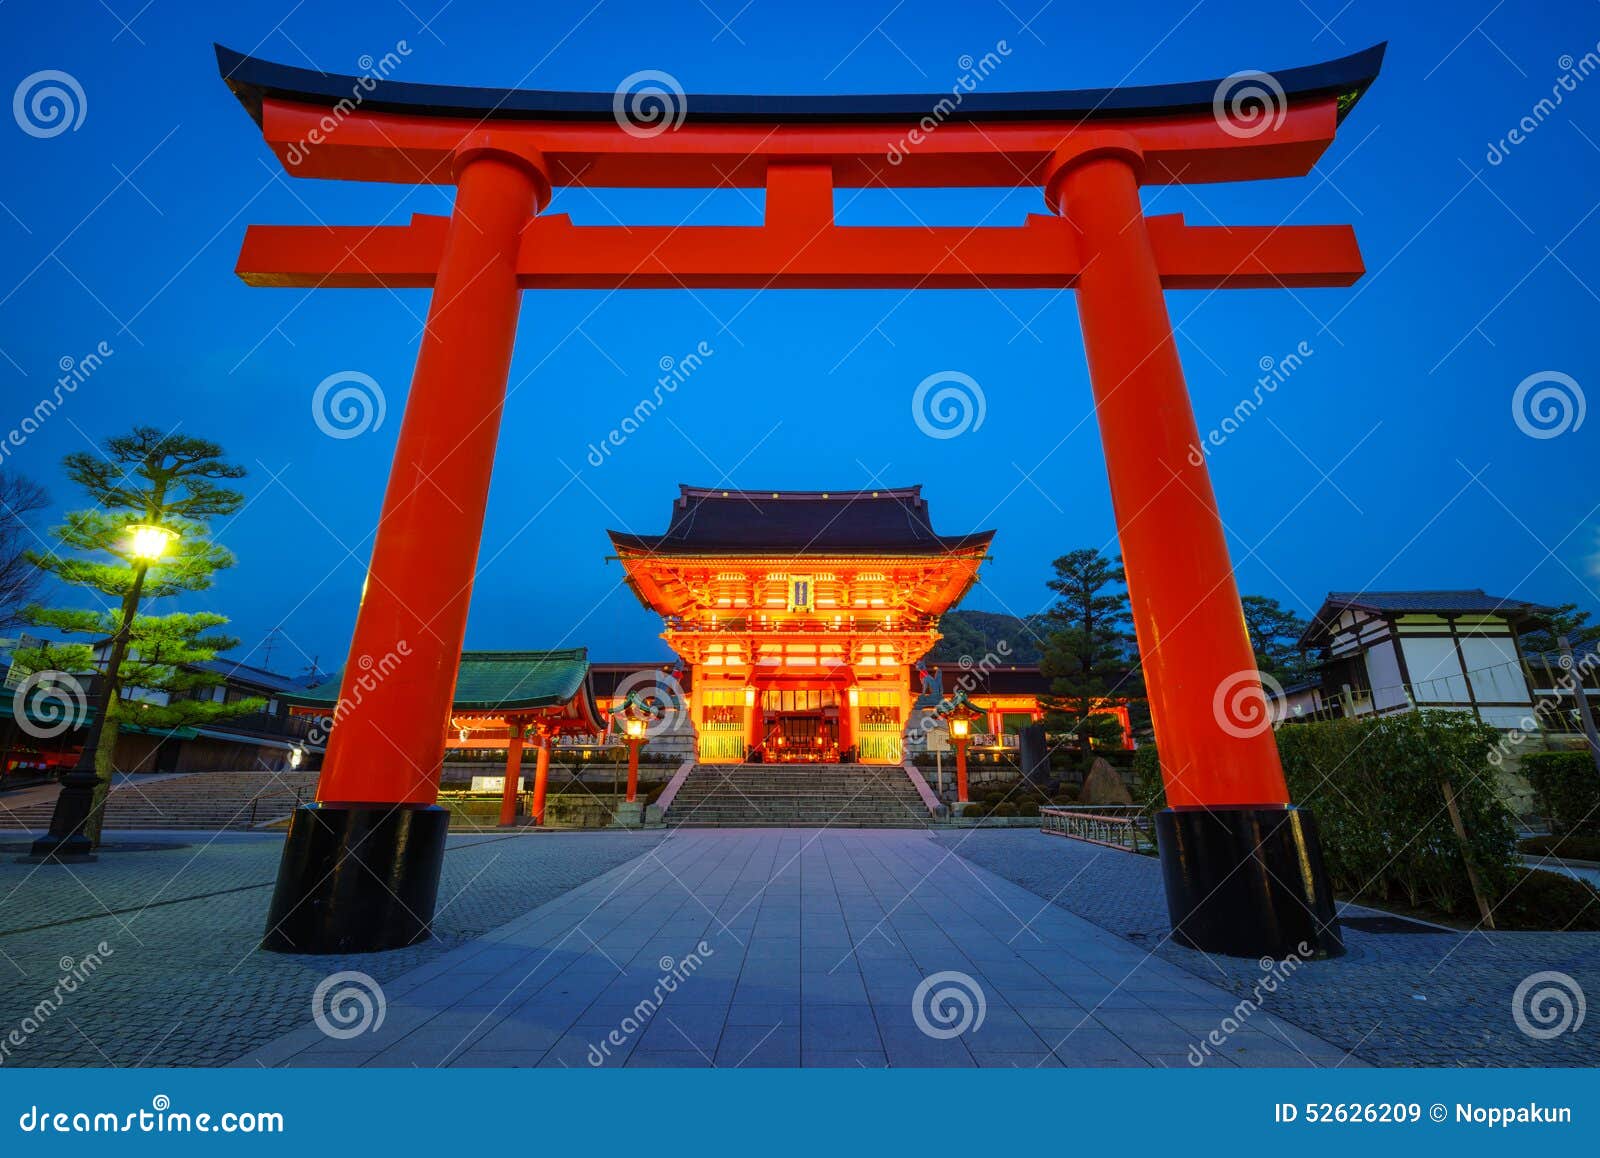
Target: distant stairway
[
  {"x": 797, "y": 796},
  {"x": 209, "y": 801}
]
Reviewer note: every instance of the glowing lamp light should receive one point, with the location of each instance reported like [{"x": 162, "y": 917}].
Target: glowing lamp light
[
  {"x": 148, "y": 542},
  {"x": 295, "y": 756},
  {"x": 958, "y": 728},
  {"x": 855, "y": 697},
  {"x": 635, "y": 729},
  {"x": 749, "y": 697}
]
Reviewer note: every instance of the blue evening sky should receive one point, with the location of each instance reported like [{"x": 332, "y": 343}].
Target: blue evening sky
[{"x": 1390, "y": 459}]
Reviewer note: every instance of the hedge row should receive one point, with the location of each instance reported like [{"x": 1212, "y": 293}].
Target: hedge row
[
  {"x": 1568, "y": 787},
  {"x": 1378, "y": 790}
]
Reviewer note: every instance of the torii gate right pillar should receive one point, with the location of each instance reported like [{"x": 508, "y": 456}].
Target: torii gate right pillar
[{"x": 1243, "y": 867}]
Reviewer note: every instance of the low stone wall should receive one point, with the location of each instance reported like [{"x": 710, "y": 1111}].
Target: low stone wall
[
  {"x": 575, "y": 809},
  {"x": 593, "y": 775}
]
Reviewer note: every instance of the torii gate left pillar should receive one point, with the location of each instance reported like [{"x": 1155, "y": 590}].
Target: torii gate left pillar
[
  {"x": 1242, "y": 865},
  {"x": 376, "y": 822}
]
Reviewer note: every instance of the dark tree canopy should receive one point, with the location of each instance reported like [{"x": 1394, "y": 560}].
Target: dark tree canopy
[
  {"x": 20, "y": 497},
  {"x": 1275, "y": 633},
  {"x": 1089, "y": 650},
  {"x": 1565, "y": 620}
]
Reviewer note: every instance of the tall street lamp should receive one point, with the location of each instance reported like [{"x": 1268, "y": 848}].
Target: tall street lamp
[{"x": 66, "y": 840}]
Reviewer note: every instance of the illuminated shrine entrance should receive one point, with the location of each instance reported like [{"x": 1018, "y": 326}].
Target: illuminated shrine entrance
[
  {"x": 800, "y": 725},
  {"x": 1242, "y": 865},
  {"x": 800, "y": 615}
]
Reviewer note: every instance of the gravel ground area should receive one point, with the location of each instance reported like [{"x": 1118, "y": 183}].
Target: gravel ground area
[
  {"x": 1434, "y": 999},
  {"x": 183, "y": 982}
]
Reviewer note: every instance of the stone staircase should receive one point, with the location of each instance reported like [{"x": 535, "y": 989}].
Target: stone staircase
[
  {"x": 797, "y": 796},
  {"x": 209, "y": 801}
]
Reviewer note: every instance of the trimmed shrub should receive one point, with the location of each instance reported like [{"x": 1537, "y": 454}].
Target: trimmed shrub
[
  {"x": 1028, "y": 808},
  {"x": 1067, "y": 795},
  {"x": 1148, "y": 790},
  {"x": 1546, "y": 900},
  {"x": 1377, "y": 787},
  {"x": 1571, "y": 846},
  {"x": 973, "y": 809},
  {"x": 1006, "y": 808},
  {"x": 1568, "y": 787}
]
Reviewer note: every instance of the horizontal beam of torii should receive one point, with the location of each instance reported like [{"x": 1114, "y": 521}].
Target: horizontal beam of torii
[{"x": 1242, "y": 866}]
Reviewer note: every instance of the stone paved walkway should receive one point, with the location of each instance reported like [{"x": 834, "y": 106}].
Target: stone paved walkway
[
  {"x": 1436, "y": 999},
  {"x": 796, "y": 947},
  {"x": 184, "y": 983}
]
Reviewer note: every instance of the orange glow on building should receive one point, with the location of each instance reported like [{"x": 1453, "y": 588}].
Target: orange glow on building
[{"x": 799, "y": 615}]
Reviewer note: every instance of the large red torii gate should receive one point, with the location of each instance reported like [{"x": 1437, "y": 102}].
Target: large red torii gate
[{"x": 361, "y": 866}]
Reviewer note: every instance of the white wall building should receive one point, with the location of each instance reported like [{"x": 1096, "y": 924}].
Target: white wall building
[{"x": 1385, "y": 651}]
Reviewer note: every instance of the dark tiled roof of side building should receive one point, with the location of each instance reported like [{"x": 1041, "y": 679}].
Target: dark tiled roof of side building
[
  {"x": 495, "y": 681},
  {"x": 1434, "y": 601},
  {"x": 246, "y": 673}
]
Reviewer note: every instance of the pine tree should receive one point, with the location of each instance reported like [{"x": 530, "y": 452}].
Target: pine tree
[
  {"x": 1087, "y": 648},
  {"x": 1275, "y": 635},
  {"x": 1566, "y": 620},
  {"x": 144, "y": 478},
  {"x": 20, "y": 497}
]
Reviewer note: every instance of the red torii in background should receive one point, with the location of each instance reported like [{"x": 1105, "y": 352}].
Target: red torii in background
[{"x": 1242, "y": 865}]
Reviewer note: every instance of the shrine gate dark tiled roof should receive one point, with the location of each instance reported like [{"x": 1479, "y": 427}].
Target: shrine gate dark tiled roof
[{"x": 887, "y": 521}]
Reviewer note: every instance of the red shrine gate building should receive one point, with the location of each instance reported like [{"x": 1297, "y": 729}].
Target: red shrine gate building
[{"x": 799, "y": 615}]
